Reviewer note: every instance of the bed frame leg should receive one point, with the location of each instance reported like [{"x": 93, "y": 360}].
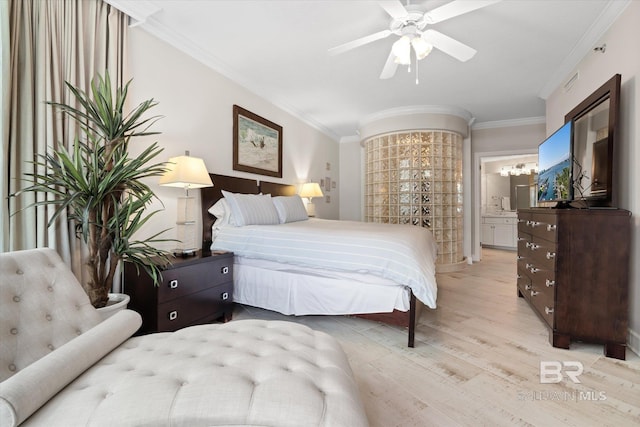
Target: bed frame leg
[{"x": 412, "y": 320}]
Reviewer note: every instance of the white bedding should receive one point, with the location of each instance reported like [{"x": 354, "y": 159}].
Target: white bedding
[
  {"x": 402, "y": 254},
  {"x": 300, "y": 291}
]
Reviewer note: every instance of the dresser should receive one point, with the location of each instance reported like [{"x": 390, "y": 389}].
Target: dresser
[
  {"x": 573, "y": 270},
  {"x": 194, "y": 290}
]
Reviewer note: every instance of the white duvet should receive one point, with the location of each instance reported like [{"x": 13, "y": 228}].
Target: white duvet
[{"x": 404, "y": 254}]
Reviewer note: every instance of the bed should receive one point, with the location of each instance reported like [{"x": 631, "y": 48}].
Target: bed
[{"x": 381, "y": 272}]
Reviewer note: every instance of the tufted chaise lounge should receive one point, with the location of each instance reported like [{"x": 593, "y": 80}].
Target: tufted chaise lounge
[{"x": 61, "y": 365}]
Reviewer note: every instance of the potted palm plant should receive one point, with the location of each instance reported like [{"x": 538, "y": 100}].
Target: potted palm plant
[{"x": 100, "y": 186}]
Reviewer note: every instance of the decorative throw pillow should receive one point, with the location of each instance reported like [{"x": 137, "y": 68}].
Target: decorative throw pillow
[
  {"x": 251, "y": 209},
  {"x": 290, "y": 208}
]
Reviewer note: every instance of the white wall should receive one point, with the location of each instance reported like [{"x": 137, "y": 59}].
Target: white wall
[
  {"x": 196, "y": 103},
  {"x": 525, "y": 137},
  {"x": 621, "y": 56},
  {"x": 351, "y": 175}
]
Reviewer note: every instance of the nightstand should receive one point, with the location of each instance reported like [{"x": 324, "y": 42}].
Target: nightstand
[{"x": 194, "y": 290}]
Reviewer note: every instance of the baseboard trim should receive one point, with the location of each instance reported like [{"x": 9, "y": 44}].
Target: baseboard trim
[{"x": 634, "y": 342}]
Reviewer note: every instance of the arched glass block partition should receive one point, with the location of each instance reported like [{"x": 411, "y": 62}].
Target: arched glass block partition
[{"x": 415, "y": 177}]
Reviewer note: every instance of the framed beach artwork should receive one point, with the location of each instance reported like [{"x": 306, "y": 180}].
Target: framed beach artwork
[{"x": 257, "y": 144}]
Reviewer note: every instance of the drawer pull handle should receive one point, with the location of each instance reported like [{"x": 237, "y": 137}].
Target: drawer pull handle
[
  {"x": 520, "y": 239},
  {"x": 225, "y": 269},
  {"x": 548, "y": 310},
  {"x": 534, "y": 224},
  {"x": 173, "y": 315},
  {"x": 520, "y": 257},
  {"x": 551, "y": 255},
  {"x": 224, "y": 296},
  {"x": 551, "y": 227},
  {"x": 528, "y": 287},
  {"x": 528, "y": 266},
  {"x": 534, "y": 270},
  {"x": 549, "y": 283},
  {"x": 173, "y": 284},
  {"x": 519, "y": 276},
  {"x": 534, "y": 246},
  {"x": 534, "y": 293}
]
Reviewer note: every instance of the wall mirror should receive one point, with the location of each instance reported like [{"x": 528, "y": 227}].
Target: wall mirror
[{"x": 594, "y": 131}]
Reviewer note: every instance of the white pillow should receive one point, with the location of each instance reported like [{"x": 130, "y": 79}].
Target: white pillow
[
  {"x": 251, "y": 209},
  {"x": 290, "y": 208},
  {"x": 222, "y": 212}
]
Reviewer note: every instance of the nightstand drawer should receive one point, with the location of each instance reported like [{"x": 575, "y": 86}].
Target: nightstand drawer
[
  {"x": 181, "y": 281},
  {"x": 197, "y": 289},
  {"x": 188, "y": 310}
]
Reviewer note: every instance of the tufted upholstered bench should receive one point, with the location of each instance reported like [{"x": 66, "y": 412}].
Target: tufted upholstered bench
[{"x": 62, "y": 366}]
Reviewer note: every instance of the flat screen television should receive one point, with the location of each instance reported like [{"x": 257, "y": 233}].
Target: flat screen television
[{"x": 555, "y": 168}]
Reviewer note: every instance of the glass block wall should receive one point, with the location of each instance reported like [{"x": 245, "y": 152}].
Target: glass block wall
[{"x": 416, "y": 178}]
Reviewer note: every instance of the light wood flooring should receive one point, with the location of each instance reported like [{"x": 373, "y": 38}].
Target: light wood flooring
[{"x": 477, "y": 361}]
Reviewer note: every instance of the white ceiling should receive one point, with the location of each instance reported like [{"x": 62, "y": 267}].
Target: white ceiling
[{"x": 278, "y": 50}]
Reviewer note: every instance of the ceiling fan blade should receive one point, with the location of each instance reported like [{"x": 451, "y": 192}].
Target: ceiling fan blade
[
  {"x": 455, "y": 8},
  {"x": 450, "y": 46},
  {"x": 393, "y": 8},
  {"x": 389, "y": 67},
  {"x": 359, "y": 42}
]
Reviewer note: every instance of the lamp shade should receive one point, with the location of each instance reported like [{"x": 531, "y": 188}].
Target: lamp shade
[
  {"x": 310, "y": 189},
  {"x": 402, "y": 50},
  {"x": 421, "y": 47},
  {"x": 186, "y": 172}
]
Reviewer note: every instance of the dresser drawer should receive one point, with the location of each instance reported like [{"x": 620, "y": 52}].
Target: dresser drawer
[
  {"x": 181, "y": 281},
  {"x": 543, "y": 226},
  {"x": 541, "y": 253},
  {"x": 189, "y": 309},
  {"x": 543, "y": 300},
  {"x": 524, "y": 282}
]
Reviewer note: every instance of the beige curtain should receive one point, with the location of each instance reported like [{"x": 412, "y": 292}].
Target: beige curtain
[{"x": 50, "y": 42}]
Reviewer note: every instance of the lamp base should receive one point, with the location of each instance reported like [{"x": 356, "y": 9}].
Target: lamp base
[
  {"x": 184, "y": 253},
  {"x": 311, "y": 209}
]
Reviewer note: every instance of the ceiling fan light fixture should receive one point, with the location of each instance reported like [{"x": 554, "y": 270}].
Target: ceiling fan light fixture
[
  {"x": 402, "y": 51},
  {"x": 421, "y": 47}
]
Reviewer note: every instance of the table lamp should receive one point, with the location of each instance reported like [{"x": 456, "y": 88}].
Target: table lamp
[
  {"x": 309, "y": 190},
  {"x": 186, "y": 172}
]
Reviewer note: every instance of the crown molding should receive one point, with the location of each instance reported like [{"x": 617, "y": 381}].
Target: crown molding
[
  {"x": 349, "y": 139},
  {"x": 509, "y": 123},
  {"x": 607, "y": 17},
  {"x": 417, "y": 109},
  {"x": 143, "y": 12}
]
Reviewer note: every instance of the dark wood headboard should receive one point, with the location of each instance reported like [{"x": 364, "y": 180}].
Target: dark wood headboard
[{"x": 210, "y": 195}]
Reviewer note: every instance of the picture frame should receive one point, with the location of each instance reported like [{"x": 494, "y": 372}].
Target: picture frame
[
  {"x": 327, "y": 184},
  {"x": 257, "y": 144}
]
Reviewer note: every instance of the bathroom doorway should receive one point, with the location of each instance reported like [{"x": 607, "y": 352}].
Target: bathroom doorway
[{"x": 503, "y": 183}]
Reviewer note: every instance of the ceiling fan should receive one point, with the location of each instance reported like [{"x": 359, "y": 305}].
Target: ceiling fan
[{"x": 410, "y": 23}]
